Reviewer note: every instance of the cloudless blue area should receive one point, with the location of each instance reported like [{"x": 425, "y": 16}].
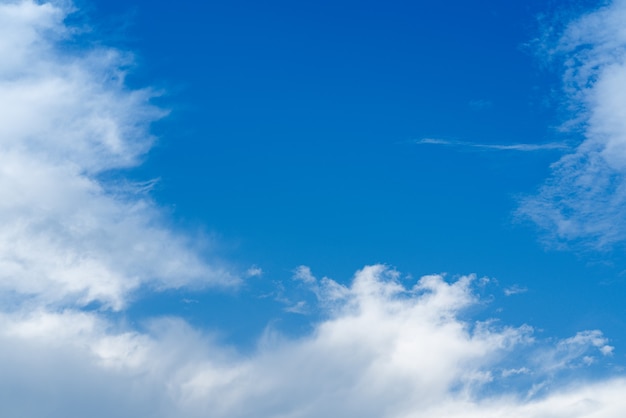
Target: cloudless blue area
[{"x": 291, "y": 138}]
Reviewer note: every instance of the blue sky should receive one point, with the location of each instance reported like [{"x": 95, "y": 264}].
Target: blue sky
[
  {"x": 293, "y": 129},
  {"x": 303, "y": 209}
]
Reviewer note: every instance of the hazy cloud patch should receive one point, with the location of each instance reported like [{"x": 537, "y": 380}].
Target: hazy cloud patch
[{"x": 584, "y": 200}]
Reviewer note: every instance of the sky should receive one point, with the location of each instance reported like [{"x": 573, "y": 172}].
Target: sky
[{"x": 303, "y": 209}]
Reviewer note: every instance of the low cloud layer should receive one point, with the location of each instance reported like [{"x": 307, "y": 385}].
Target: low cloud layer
[
  {"x": 584, "y": 201},
  {"x": 383, "y": 347}
]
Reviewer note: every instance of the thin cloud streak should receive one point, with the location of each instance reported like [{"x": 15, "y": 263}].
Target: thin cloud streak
[
  {"x": 515, "y": 290},
  {"x": 499, "y": 147}
]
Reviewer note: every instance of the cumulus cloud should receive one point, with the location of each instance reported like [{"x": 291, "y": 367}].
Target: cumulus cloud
[
  {"x": 66, "y": 118},
  {"x": 584, "y": 200},
  {"x": 386, "y": 350}
]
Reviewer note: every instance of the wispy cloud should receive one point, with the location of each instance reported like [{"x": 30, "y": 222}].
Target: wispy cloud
[
  {"x": 515, "y": 290},
  {"x": 497, "y": 147},
  {"x": 299, "y": 307},
  {"x": 303, "y": 274},
  {"x": 254, "y": 271},
  {"x": 584, "y": 200},
  {"x": 67, "y": 238}
]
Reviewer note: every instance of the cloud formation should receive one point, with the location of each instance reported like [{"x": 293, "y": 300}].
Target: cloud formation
[
  {"x": 68, "y": 239},
  {"x": 584, "y": 200},
  {"x": 384, "y": 350},
  {"x": 66, "y": 118}
]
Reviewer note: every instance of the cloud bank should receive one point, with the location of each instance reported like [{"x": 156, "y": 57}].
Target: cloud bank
[
  {"x": 69, "y": 240},
  {"x": 384, "y": 349},
  {"x": 584, "y": 200}
]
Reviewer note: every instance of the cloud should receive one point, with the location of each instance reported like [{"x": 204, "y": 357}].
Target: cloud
[
  {"x": 515, "y": 290},
  {"x": 303, "y": 273},
  {"x": 254, "y": 271},
  {"x": 386, "y": 350},
  {"x": 66, "y": 118},
  {"x": 299, "y": 307},
  {"x": 496, "y": 147},
  {"x": 584, "y": 200}
]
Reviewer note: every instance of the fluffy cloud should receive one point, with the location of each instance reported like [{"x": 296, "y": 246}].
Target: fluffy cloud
[
  {"x": 585, "y": 198},
  {"x": 385, "y": 350},
  {"x": 65, "y": 119}
]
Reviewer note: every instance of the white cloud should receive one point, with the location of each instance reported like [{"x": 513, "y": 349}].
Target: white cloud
[
  {"x": 496, "y": 147},
  {"x": 299, "y": 307},
  {"x": 254, "y": 271},
  {"x": 585, "y": 198},
  {"x": 303, "y": 273},
  {"x": 569, "y": 353},
  {"x": 387, "y": 350},
  {"x": 515, "y": 290},
  {"x": 512, "y": 372},
  {"x": 65, "y": 118}
]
